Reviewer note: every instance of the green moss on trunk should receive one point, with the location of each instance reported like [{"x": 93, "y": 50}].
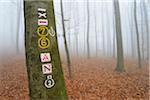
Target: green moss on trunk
[{"x": 36, "y": 78}]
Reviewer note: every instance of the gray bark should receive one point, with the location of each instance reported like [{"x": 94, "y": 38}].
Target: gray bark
[
  {"x": 120, "y": 57},
  {"x": 88, "y": 29},
  {"x": 137, "y": 35},
  {"x": 96, "y": 36},
  {"x": 65, "y": 41}
]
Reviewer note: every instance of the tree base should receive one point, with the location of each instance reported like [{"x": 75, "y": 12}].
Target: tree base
[{"x": 121, "y": 70}]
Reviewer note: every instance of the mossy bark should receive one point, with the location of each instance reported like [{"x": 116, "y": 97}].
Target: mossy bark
[{"x": 36, "y": 78}]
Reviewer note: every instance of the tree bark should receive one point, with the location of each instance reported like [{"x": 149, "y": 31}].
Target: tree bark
[
  {"x": 39, "y": 40},
  {"x": 147, "y": 27},
  {"x": 65, "y": 41},
  {"x": 103, "y": 30},
  {"x": 120, "y": 57},
  {"x": 114, "y": 39},
  {"x": 76, "y": 28},
  {"x": 132, "y": 32},
  {"x": 96, "y": 36},
  {"x": 137, "y": 36},
  {"x": 88, "y": 29},
  {"x": 18, "y": 25}
]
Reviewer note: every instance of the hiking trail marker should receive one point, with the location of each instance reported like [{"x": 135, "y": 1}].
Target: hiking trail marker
[{"x": 45, "y": 75}]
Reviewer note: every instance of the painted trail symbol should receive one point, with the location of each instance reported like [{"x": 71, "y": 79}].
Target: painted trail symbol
[
  {"x": 49, "y": 83},
  {"x": 45, "y": 57},
  {"x": 47, "y": 68}
]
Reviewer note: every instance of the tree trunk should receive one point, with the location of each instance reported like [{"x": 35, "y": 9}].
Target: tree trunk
[
  {"x": 142, "y": 35},
  {"x": 114, "y": 36},
  {"x": 85, "y": 51},
  {"x": 108, "y": 34},
  {"x": 18, "y": 25},
  {"x": 103, "y": 30},
  {"x": 147, "y": 27},
  {"x": 69, "y": 27},
  {"x": 46, "y": 80},
  {"x": 137, "y": 35},
  {"x": 76, "y": 28},
  {"x": 132, "y": 33},
  {"x": 114, "y": 39},
  {"x": 88, "y": 29},
  {"x": 96, "y": 36},
  {"x": 120, "y": 58},
  {"x": 65, "y": 41}
]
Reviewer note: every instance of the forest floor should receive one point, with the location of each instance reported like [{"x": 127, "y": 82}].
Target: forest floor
[{"x": 93, "y": 79}]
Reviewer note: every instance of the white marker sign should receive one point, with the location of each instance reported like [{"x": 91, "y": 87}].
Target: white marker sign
[
  {"x": 47, "y": 68},
  {"x": 51, "y": 31},
  {"x": 43, "y": 22},
  {"x": 41, "y": 9},
  {"x": 45, "y": 57}
]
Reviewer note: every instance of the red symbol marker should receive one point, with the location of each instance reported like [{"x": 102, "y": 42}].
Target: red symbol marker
[
  {"x": 47, "y": 68},
  {"x": 45, "y": 57}
]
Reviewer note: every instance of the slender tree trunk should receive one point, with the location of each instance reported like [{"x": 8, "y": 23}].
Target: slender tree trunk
[
  {"x": 132, "y": 34},
  {"x": 76, "y": 29},
  {"x": 96, "y": 36},
  {"x": 114, "y": 36},
  {"x": 114, "y": 39},
  {"x": 108, "y": 34},
  {"x": 77, "y": 52},
  {"x": 45, "y": 75},
  {"x": 127, "y": 42},
  {"x": 88, "y": 30},
  {"x": 18, "y": 25},
  {"x": 147, "y": 27},
  {"x": 103, "y": 30},
  {"x": 65, "y": 41},
  {"x": 85, "y": 51},
  {"x": 142, "y": 35},
  {"x": 69, "y": 30},
  {"x": 137, "y": 36},
  {"x": 120, "y": 58}
]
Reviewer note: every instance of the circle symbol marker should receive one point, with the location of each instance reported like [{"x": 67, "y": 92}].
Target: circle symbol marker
[
  {"x": 44, "y": 42},
  {"x": 49, "y": 83},
  {"x": 42, "y": 31}
]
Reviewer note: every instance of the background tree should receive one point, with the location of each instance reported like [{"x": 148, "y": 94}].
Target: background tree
[
  {"x": 88, "y": 30},
  {"x": 137, "y": 35},
  {"x": 131, "y": 25},
  {"x": 120, "y": 57},
  {"x": 18, "y": 26},
  {"x": 76, "y": 22},
  {"x": 145, "y": 11},
  {"x": 114, "y": 37},
  {"x": 96, "y": 33},
  {"x": 65, "y": 41},
  {"x": 103, "y": 28}
]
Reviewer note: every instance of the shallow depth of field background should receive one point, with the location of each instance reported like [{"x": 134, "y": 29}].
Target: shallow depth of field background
[{"x": 93, "y": 78}]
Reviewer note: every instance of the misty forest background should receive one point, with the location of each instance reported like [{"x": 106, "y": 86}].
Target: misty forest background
[
  {"x": 89, "y": 29},
  {"x": 95, "y": 38}
]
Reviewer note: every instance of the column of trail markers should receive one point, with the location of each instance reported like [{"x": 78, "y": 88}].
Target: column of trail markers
[{"x": 45, "y": 75}]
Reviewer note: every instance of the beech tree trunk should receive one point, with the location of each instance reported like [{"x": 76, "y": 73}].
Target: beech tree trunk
[
  {"x": 88, "y": 30},
  {"x": 120, "y": 57},
  {"x": 45, "y": 75},
  {"x": 137, "y": 35},
  {"x": 65, "y": 41}
]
